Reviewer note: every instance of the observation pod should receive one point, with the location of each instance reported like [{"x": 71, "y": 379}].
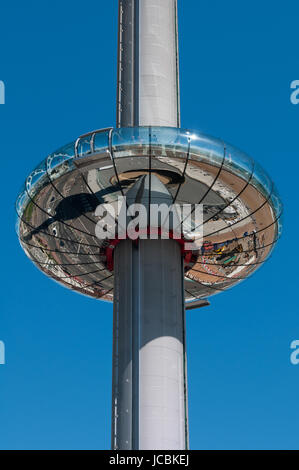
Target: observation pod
[
  {"x": 238, "y": 227},
  {"x": 216, "y": 218}
]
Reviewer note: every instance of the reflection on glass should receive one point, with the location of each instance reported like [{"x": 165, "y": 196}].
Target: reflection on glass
[
  {"x": 238, "y": 162},
  {"x": 36, "y": 179},
  {"x": 84, "y": 145},
  {"x": 101, "y": 141},
  {"x": 262, "y": 181},
  {"x": 60, "y": 162}
]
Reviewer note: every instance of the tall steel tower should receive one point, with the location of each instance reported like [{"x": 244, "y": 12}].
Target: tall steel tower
[{"x": 152, "y": 279}]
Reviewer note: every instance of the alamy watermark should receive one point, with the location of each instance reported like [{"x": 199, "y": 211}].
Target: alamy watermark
[
  {"x": 2, "y": 92},
  {"x": 294, "y": 358},
  {"x": 122, "y": 220},
  {"x": 2, "y": 353},
  {"x": 295, "y": 94}
]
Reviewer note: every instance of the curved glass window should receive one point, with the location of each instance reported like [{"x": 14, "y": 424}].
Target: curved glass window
[
  {"x": 101, "y": 141},
  {"x": 60, "y": 162},
  {"x": 84, "y": 145},
  {"x": 238, "y": 162},
  {"x": 36, "y": 179},
  {"x": 210, "y": 150},
  {"x": 262, "y": 181}
]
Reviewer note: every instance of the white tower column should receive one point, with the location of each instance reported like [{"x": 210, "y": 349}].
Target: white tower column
[
  {"x": 148, "y": 66},
  {"x": 149, "y": 409},
  {"x": 149, "y": 396}
]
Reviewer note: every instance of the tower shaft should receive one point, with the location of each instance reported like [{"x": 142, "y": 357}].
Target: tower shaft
[
  {"x": 148, "y": 66},
  {"x": 149, "y": 366},
  {"x": 149, "y": 397}
]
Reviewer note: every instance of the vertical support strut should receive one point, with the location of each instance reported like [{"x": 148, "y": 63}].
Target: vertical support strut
[{"x": 149, "y": 396}]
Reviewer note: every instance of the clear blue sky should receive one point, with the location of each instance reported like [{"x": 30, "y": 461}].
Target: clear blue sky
[{"x": 58, "y": 61}]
